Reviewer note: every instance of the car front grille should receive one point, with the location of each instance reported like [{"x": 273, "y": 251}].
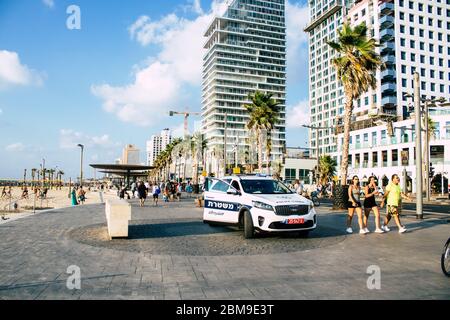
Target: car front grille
[{"x": 297, "y": 209}]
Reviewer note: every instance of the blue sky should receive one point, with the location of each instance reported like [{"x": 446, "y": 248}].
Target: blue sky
[{"x": 111, "y": 82}]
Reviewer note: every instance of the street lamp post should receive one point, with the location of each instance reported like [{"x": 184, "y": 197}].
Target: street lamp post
[
  {"x": 419, "y": 187},
  {"x": 81, "y": 163},
  {"x": 225, "y": 144}
]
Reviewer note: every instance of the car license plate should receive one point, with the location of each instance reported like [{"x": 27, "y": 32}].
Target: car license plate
[{"x": 295, "y": 221}]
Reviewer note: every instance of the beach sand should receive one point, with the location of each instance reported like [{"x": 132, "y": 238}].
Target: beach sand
[{"x": 55, "y": 199}]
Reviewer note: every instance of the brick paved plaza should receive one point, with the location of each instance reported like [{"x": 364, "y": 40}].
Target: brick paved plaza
[{"x": 171, "y": 254}]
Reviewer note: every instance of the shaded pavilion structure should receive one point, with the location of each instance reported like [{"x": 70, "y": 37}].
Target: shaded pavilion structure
[{"x": 126, "y": 171}]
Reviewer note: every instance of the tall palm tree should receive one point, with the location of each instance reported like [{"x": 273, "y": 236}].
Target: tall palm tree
[
  {"x": 60, "y": 174},
  {"x": 185, "y": 149},
  {"x": 197, "y": 147},
  {"x": 33, "y": 174},
  {"x": 327, "y": 168},
  {"x": 264, "y": 114},
  {"x": 51, "y": 173},
  {"x": 356, "y": 64},
  {"x": 432, "y": 130}
]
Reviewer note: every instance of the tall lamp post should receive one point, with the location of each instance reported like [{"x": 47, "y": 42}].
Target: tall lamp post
[
  {"x": 427, "y": 104},
  {"x": 81, "y": 163}
]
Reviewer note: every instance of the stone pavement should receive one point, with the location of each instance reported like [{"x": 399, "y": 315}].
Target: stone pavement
[{"x": 171, "y": 254}]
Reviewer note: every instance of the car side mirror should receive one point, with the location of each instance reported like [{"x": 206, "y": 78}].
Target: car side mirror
[{"x": 232, "y": 191}]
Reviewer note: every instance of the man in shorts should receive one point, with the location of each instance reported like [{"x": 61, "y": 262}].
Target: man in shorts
[
  {"x": 394, "y": 196},
  {"x": 156, "y": 191}
]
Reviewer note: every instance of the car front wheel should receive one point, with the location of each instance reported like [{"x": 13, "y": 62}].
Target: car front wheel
[{"x": 249, "y": 231}]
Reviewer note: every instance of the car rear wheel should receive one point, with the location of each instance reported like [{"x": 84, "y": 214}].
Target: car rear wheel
[{"x": 249, "y": 231}]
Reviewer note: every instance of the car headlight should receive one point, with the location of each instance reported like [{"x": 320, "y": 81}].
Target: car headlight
[{"x": 262, "y": 205}]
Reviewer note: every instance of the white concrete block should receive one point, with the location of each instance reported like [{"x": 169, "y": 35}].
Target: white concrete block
[{"x": 118, "y": 215}]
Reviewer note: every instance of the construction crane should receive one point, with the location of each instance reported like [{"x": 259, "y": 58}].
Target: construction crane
[{"x": 186, "y": 116}]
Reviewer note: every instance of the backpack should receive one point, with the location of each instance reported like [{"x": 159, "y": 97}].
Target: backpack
[{"x": 158, "y": 190}]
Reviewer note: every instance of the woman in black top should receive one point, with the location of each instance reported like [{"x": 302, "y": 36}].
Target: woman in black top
[
  {"x": 142, "y": 190},
  {"x": 370, "y": 192}
]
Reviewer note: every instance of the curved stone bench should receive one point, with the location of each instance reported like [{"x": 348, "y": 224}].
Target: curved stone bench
[{"x": 118, "y": 214}]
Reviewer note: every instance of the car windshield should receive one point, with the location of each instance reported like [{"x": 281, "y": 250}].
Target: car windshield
[{"x": 264, "y": 187}]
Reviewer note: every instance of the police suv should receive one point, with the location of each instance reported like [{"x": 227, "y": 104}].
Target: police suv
[{"x": 256, "y": 202}]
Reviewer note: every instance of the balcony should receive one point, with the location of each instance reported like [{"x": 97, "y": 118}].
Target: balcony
[
  {"x": 386, "y": 21},
  {"x": 388, "y": 100},
  {"x": 390, "y": 87},
  {"x": 388, "y": 74},
  {"x": 389, "y": 59},
  {"x": 387, "y": 48},
  {"x": 386, "y": 8},
  {"x": 334, "y": 7},
  {"x": 387, "y": 35}
]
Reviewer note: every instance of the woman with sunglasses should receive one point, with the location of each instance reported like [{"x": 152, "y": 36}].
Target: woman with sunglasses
[
  {"x": 354, "y": 204},
  {"x": 370, "y": 191}
]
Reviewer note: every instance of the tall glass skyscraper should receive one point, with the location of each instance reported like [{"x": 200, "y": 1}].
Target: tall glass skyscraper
[{"x": 246, "y": 51}]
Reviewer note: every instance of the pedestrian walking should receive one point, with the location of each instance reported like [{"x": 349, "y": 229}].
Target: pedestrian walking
[
  {"x": 81, "y": 195},
  {"x": 370, "y": 191},
  {"x": 25, "y": 192},
  {"x": 142, "y": 191},
  {"x": 354, "y": 204},
  {"x": 74, "y": 196},
  {"x": 394, "y": 196},
  {"x": 156, "y": 191},
  {"x": 179, "y": 190},
  {"x": 189, "y": 189}
]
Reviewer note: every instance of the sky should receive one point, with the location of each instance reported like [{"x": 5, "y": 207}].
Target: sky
[{"x": 105, "y": 73}]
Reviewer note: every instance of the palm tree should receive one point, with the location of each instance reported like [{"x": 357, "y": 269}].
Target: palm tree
[
  {"x": 432, "y": 130},
  {"x": 51, "y": 173},
  {"x": 60, "y": 174},
  {"x": 185, "y": 149},
  {"x": 33, "y": 174},
  {"x": 264, "y": 114},
  {"x": 327, "y": 168},
  {"x": 197, "y": 146},
  {"x": 356, "y": 64}
]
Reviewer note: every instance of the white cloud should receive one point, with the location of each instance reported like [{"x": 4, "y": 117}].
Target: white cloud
[
  {"x": 197, "y": 7},
  {"x": 160, "y": 80},
  {"x": 49, "y": 3},
  {"x": 298, "y": 115},
  {"x": 69, "y": 139},
  {"x": 12, "y": 72},
  {"x": 15, "y": 147},
  {"x": 297, "y": 17}
]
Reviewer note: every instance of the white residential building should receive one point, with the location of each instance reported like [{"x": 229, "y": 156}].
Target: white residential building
[
  {"x": 414, "y": 36},
  {"x": 246, "y": 51},
  {"x": 373, "y": 152},
  {"x": 325, "y": 92},
  {"x": 156, "y": 144}
]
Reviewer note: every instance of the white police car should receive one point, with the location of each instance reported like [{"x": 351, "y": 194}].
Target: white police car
[{"x": 256, "y": 202}]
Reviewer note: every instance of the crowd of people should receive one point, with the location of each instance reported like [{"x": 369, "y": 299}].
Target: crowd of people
[
  {"x": 170, "y": 190},
  {"x": 392, "y": 197}
]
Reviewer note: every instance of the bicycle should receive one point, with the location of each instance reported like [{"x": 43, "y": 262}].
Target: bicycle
[
  {"x": 445, "y": 258},
  {"x": 313, "y": 197}
]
